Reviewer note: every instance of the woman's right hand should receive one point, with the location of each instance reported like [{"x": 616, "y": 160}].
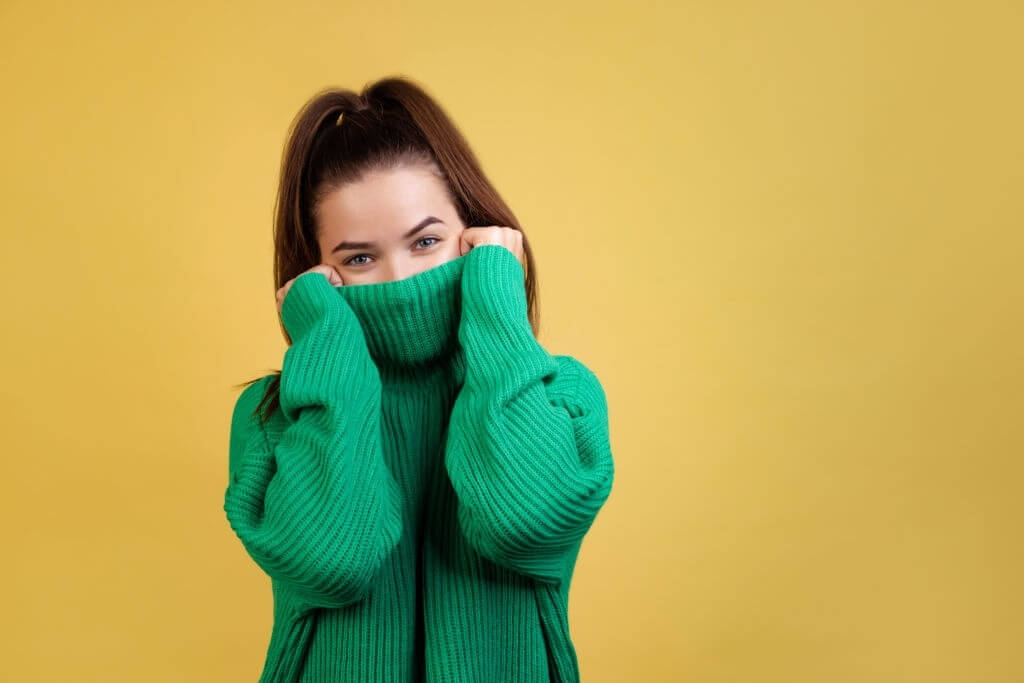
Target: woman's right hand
[{"x": 327, "y": 271}]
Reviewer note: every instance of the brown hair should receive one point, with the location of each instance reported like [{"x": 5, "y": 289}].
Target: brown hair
[{"x": 337, "y": 136}]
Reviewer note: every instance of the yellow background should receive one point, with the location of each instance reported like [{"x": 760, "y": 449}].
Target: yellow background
[{"x": 786, "y": 236}]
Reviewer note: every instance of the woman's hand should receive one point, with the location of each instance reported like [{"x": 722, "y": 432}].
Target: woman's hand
[
  {"x": 510, "y": 238},
  {"x": 327, "y": 271}
]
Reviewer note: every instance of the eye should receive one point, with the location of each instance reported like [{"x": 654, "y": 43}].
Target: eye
[
  {"x": 350, "y": 260},
  {"x": 427, "y": 238}
]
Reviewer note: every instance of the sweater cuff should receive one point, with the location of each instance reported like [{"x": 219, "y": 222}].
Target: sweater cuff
[
  {"x": 308, "y": 299},
  {"x": 495, "y": 326}
]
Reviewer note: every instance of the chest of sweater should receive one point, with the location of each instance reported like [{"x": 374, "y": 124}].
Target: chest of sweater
[
  {"x": 438, "y": 610},
  {"x": 423, "y": 527}
]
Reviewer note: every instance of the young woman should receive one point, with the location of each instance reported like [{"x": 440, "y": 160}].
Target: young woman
[{"x": 418, "y": 478}]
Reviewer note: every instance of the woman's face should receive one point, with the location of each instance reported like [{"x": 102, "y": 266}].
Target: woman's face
[{"x": 388, "y": 226}]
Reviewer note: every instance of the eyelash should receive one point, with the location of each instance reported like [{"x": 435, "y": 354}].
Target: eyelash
[{"x": 349, "y": 260}]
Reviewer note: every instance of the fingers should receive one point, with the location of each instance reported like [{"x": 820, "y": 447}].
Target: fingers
[
  {"x": 325, "y": 269},
  {"x": 334, "y": 276},
  {"x": 510, "y": 238}
]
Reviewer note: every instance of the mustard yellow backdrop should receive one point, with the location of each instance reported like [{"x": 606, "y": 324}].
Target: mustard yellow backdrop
[{"x": 786, "y": 236}]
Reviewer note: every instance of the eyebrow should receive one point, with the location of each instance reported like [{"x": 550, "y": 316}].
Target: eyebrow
[{"x": 369, "y": 245}]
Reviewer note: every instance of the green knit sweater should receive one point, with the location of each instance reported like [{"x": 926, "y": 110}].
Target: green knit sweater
[{"x": 419, "y": 499}]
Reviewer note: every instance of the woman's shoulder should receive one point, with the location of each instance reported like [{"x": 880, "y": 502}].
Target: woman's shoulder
[
  {"x": 574, "y": 380},
  {"x": 252, "y": 395},
  {"x": 567, "y": 363},
  {"x": 254, "y": 392},
  {"x": 573, "y": 369}
]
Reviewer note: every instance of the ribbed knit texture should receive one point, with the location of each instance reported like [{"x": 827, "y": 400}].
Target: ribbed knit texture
[{"x": 420, "y": 498}]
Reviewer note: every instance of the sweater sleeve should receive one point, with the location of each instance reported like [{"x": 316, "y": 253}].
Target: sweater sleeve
[
  {"x": 318, "y": 510},
  {"x": 528, "y": 450}
]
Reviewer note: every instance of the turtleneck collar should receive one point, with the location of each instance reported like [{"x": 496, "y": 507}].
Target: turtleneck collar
[{"x": 412, "y": 322}]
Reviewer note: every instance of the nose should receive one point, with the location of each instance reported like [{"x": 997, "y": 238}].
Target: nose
[{"x": 399, "y": 271}]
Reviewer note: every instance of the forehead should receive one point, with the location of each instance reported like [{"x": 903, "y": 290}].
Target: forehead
[{"x": 382, "y": 200}]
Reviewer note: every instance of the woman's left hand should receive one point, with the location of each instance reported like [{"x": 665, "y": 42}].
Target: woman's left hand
[{"x": 510, "y": 238}]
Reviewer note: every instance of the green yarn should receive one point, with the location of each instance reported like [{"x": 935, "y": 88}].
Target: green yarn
[{"x": 420, "y": 498}]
